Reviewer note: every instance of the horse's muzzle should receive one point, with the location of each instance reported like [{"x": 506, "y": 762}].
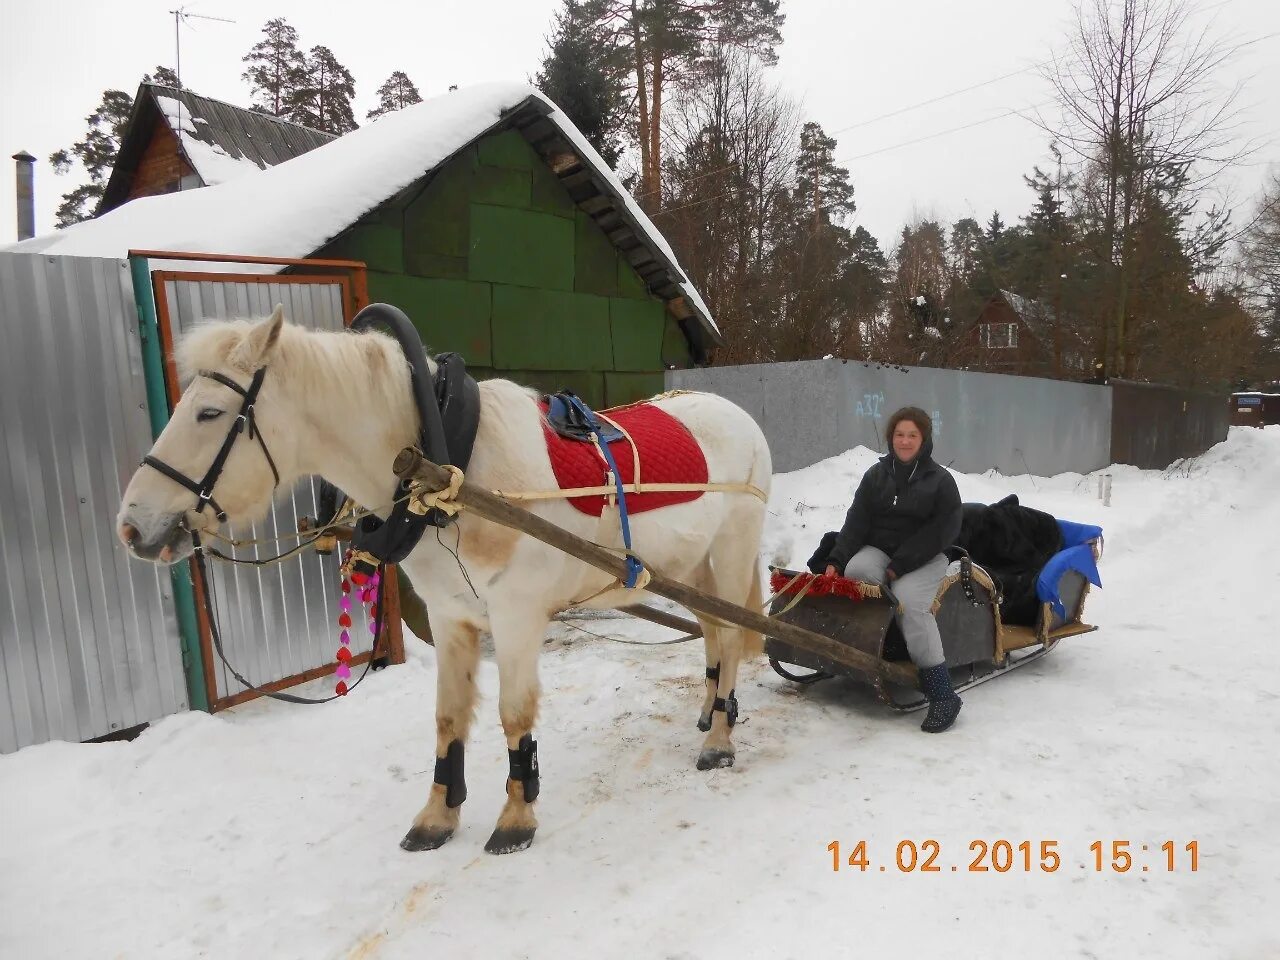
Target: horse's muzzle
[{"x": 169, "y": 544}]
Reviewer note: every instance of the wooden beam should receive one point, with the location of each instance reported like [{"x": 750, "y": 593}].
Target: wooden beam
[
  {"x": 539, "y": 130},
  {"x": 679, "y": 308},
  {"x": 412, "y": 465},
  {"x": 664, "y": 619},
  {"x": 599, "y": 206},
  {"x": 609, "y": 220},
  {"x": 568, "y": 168}
]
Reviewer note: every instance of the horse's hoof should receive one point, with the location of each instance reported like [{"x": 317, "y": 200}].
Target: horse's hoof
[
  {"x": 711, "y": 759},
  {"x": 704, "y": 722},
  {"x": 510, "y": 841},
  {"x": 425, "y": 838}
]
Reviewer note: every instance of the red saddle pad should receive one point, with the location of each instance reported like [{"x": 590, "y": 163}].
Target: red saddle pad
[{"x": 668, "y": 454}]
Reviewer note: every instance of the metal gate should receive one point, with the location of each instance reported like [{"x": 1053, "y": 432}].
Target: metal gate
[{"x": 276, "y": 623}]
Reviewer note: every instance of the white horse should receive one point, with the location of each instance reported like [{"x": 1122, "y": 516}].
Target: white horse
[{"x": 339, "y": 405}]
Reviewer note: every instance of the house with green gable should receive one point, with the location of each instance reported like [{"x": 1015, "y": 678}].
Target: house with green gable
[{"x": 483, "y": 214}]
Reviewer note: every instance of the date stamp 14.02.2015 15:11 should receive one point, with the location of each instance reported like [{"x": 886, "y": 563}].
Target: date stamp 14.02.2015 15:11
[{"x": 1027, "y": 856}]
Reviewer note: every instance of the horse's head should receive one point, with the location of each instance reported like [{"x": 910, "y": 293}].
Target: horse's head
[{"x": 231, "y": 411}]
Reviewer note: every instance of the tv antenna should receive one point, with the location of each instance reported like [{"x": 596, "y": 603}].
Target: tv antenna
[{"x": 181, "y": 16}]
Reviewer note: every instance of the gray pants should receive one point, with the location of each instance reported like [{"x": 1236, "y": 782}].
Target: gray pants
[{"x": 915, "y": 592}]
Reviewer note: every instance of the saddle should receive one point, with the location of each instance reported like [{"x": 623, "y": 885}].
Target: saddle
[
  {"x": 646, "y": 444},
  {"x": 576, "y": 421}
]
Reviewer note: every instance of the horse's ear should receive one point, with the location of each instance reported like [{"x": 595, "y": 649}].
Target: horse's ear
[{"x": 255, "y": 349}]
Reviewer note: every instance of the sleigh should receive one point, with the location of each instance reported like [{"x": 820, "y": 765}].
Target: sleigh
[{"x": 978, "y": 645}]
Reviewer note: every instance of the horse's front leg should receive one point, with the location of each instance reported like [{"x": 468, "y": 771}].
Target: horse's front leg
[
  {"x": 457, "y": 656},
  {"x": 517, "y": 640}
]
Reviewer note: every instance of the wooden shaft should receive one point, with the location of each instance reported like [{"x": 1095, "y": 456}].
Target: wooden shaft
[
  {"x": 412, "y": 465},
  {"x": 664, "y": 619}
]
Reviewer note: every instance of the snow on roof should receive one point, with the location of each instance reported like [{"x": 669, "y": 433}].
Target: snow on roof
[
  {"x": 296, "y": 207},
  {"x": 210, "y": 160}
]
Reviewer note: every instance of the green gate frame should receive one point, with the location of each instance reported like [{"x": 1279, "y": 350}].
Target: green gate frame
[{"x": 184, "y": 599}]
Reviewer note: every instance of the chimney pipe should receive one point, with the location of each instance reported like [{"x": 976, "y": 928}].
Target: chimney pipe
[{"x": 26, "y": 195}]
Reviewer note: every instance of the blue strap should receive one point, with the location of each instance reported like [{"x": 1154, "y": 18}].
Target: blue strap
[{"x": 633, "y": 565}]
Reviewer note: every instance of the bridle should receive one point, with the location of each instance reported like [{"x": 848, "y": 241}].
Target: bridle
[
  {"x": 203, "y": 489},
  {"x": 204, "y": 498}
]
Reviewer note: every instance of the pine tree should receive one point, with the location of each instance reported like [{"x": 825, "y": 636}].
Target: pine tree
[
  {"x": 276, "y": 68},
  {"x": 664, "y": 42},
  {"x": 322, "y": 98},
  {"x": 995, "y": 227},
  {"x": 823, "y": 300},
  {"x": 584, "y": 76},
  {"x": 397, "y": 93},
  {"x": 821, "y": 187},
  {"x": 96, "y": 152},
  {"x": 164, "y": 77}
]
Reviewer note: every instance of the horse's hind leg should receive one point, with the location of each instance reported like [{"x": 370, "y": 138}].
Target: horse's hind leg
[
  {"x": 517, "y": 638},
  {"x": 457, "y": 656},
  {"x": 703, "y": 580},
  {"x": 736, "y": 575}
]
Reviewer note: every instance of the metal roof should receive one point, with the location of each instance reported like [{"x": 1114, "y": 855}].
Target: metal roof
[{"x": 239, "y": 133}]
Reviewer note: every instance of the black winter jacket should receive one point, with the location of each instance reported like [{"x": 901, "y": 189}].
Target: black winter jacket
[{"x": 912, "y": 520}]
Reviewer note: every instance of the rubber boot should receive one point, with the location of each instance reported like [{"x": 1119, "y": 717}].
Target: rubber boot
[{"x": 944, "y": 702}]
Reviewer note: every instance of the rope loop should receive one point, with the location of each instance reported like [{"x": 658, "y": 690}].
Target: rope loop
[{"x": 423, "y": 500}]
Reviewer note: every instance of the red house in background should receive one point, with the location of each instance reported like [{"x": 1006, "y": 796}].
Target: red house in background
[
  {"x": 178, "y": 140},
  {"x": 1015, "y": 335}
]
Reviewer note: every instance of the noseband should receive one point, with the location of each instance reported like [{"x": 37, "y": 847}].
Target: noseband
[{"x": 204, "y": 488}]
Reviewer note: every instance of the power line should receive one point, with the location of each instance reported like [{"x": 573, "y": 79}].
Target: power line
[
  {"x": 963, "y": 90},
  {"x": 939, "y": 98},
  {"x": 849, "y": 159},
  {"x": 841, "y": 160}
]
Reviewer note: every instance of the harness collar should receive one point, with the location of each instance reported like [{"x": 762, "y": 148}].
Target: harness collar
[{"x": 448, "y": 406}]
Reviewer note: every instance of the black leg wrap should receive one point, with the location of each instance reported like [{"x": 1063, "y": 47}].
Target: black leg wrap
[
  {"x": 713, "y": 673},
  {"x": 524, "y": 767},
  {"x": 449, "y": 774},
  {"x": 729, "y": 705}
]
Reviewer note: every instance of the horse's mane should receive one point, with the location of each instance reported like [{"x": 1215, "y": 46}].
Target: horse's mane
[{"x": 309, "y": 357}]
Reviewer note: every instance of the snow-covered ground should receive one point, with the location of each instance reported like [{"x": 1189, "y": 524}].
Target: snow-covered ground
[{"x": 272, "y": 830}]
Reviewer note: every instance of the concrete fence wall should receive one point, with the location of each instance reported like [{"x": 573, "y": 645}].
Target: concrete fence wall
[{"x": 814, "y": 409}]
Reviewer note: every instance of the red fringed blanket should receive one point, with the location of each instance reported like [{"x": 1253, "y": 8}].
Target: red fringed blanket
[
  {"x": 668, "y": 454},
  {"x": 815, "y": 586}
]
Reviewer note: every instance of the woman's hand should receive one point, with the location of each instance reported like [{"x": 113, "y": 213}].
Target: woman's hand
[{"x": 831, "y": 570}]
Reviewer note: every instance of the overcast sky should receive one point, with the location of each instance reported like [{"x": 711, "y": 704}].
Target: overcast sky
[{"x": 846, "y": 62}]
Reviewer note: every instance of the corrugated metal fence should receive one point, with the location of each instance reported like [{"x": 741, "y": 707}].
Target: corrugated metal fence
[{"x": 88, "y": 639}]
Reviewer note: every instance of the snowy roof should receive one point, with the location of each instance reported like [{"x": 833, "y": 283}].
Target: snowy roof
[
  {"x": 1035, "y": 313},
  {"x": 219, "y": 140},
  {"x": 295, "y": 208}
]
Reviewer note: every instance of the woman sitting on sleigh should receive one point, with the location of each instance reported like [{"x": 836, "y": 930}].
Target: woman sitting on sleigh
[{"x": 905, "y": 513}]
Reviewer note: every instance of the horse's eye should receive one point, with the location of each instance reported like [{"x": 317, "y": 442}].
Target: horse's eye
[{"x": 208, "y": 413}]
